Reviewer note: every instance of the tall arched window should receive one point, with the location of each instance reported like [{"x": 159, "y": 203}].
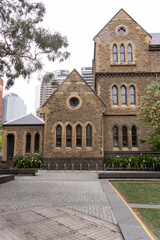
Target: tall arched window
[
  {"x": 28, "y": 142},
  {"x": 78, "y": 136},
  {"x": 115, "y": 95},
  {"x": 123, "y": 95},
  {"x": 124, "y": 136},
  {"x": 89, "y": 136},
  {"x": 115, "y": 137},
  {"x": 115, "y": 56},
  {"x": 134, "y": 136},
  {"x": 68, "y": 136},
  {"x": 122, "y": 53},
  {"x": 36, "y": 143},
  {"x": 132, "y": 95},
  {"x": 58, "y": 136},
  {"x": 129, "y": 50}
]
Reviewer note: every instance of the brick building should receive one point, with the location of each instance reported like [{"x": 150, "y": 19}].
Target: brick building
[{"x": 84, "y": 125}]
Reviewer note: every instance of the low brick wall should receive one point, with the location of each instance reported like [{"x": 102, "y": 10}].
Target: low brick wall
[
  {"x": 129, "y": 174},
  {"x": 6, "y": 178},
  {"x": 30, "y": 171}
]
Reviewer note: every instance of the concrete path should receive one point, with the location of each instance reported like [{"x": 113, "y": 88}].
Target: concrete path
[
  {"x": 148, "y": 206},
  {"x": 64, "y": 205}
]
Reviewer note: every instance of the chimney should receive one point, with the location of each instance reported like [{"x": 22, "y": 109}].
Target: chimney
[{"x": 54, "y": 84}]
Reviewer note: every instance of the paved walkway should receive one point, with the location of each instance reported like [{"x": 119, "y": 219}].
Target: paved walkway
[
  {"x": 64, "y": 205},
  {"x": 50, "y": 223},
  {"x": 148, "y": 206}
]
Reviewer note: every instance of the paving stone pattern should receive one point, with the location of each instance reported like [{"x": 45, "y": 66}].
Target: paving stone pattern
[
  {"x": 54, "y": 205},
  {"x": 84, "y": 194},
  {"x": 48, "y": 223}
]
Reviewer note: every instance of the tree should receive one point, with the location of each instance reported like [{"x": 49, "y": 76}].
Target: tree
[
  {"x": 149, "y": 112},
  {"x": 1, "y": 136},
  {"x": 23, "y": 41}
]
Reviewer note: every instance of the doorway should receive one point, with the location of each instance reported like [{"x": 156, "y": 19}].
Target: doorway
[{"x": 10, "y": 146}]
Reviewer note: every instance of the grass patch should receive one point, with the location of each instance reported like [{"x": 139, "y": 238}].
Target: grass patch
[
  {"x": 140, "y": 193},
  {"x": 152, "y": 219},
  {"x": 143, "y": 193}
]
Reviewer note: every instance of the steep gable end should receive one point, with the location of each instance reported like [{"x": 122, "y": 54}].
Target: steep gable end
[
  {"x": 73, "y": 83},
  {"x": 119, "y": 16}
]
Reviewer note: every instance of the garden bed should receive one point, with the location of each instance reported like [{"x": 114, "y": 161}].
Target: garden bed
[{"x": 135, "y": 163}]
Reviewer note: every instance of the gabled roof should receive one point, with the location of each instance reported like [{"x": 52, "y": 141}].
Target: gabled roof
[
  {"x": 29, "y": 119},
  {"x": 155, "y": 39},
  {"x": 115, "y": 16},
  {"x": 74, "y": 70}
]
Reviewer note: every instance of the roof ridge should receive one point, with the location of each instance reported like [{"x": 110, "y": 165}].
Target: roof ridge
[{"x": 24, "y": 119}]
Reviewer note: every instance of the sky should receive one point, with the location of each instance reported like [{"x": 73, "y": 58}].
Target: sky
[{"x": 80, "y": 21}]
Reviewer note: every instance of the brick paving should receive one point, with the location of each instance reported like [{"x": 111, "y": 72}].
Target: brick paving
[
  {"x": 49, "y": 223},
  {"x": 56, "y": 205}
]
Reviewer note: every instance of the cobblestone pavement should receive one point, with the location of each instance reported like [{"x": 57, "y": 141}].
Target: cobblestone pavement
[{"x": 79, "y": 192}]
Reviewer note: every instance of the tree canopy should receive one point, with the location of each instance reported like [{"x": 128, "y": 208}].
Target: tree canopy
[
  {"x": 23, "y": 41},
  {"x": 149, "y": 112}
]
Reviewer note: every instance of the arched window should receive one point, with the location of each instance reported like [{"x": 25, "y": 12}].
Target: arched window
[
  {"x": 28, "y": 142},
  {"x": 124, "y": 136},
  {"x": 115, "y": 56},
  {"x": 89, "y": 136},
  {"x": 78, "y": 136},
  {"x": 132, "y": 95},
  {"x": 122, "y": 53},
  {"x": 134, "y": 136},
  {"x": 36, "y": 143},
  {"x": 68, "y": 136},
  {"x": 123, "y": 95},
  {"x": 58, "y": 136},
  {"x": 115, "y": 95},
  {"x": 129, "y": 50},
  {"x": 115, "y": 137}
]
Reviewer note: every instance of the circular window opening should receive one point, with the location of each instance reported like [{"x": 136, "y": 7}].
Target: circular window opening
[
  {"x": 121, "y": 31},
  {"x": 74, "y": 101}
]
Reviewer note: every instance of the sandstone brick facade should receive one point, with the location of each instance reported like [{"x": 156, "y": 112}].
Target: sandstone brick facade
[
  {"x": 82, "y": 125},
  {"x": 143, "y": 68},
  {"x": 58, "y": 111},
  {"x": 19, "y": 133}
]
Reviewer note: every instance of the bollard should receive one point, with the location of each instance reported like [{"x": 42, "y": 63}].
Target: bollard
[
  {"x": 88, "y": 166},
  {"x": 72, "y": 166},
  {"x": 96, "y": 166},
  {"x": 104, "y": 166},
  {"x": 80, "y": 166},
  {"x": 65, "y": 166},
  {"x": 56, "y": 166},
  {"x": 48, "y": 165}
]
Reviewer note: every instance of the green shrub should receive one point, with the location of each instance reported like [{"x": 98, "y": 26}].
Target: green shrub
[
  {"x": 133, "y": 162},
  {"x": 31, "y": 161}
]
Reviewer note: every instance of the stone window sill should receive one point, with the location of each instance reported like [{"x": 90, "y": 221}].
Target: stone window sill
[{"x": 122, "y": 64}]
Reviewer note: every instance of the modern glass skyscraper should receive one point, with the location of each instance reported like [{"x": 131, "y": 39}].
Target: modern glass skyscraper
[
  {"x": 46, "y": 85},
  {"x": 12, "y": 107},
  {"x": 87, "y": 75}
]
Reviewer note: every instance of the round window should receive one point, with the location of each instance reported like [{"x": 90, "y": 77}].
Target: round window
[
  {"x": 74, "y": 101},
  {"x": 121, "y": 31}
]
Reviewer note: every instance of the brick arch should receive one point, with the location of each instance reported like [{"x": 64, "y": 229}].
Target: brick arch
[
  {"x": 93, "y": 134},
  {"x": 111, "y": 90},
  {"x": 54, "y": 133},
  {"x": 135, "y": 88}
]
